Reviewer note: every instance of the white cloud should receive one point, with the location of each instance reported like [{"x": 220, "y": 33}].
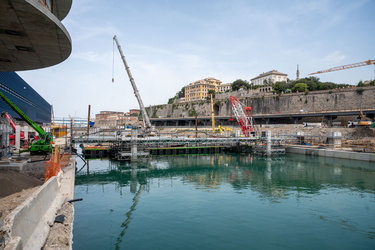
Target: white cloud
[{"x": 335, "y": 58}]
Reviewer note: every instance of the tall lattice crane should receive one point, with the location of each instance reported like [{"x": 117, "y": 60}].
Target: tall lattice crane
[
  {"x": 146, "y": 118},
  {"x": 348, "y": 66},
  {"x": 243, "y": 115}
]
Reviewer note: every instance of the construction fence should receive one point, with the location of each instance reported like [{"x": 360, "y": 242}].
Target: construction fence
[{"x": 56, "y": 163}]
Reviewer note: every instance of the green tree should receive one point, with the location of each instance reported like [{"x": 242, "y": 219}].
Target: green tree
[
  {"x": 300, "y": 87},
  {"x": 171, "y": 100},
  {"x": 181, "y": 93},
  {"x": 280, "y": 87},
  {"x": 312, "y": 82},
  {"x": 238, "y": 84}
]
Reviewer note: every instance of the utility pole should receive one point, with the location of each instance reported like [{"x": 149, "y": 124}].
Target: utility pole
[
  {"x": 88, "y": 121},
  {"x": 196, "y": 125},
  {"x": 71, "y": 135}
]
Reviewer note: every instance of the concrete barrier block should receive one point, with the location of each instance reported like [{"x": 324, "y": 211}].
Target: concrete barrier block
[
  {"x": 28, "y": 216},
  {"x": 28, "y": 226},
  {"x": 322, "y": 152},
  {"x": 14, "y": 244},
  {"x": 31, "y": 220},
  {"x": 313, "y": 151},
  {"x": 329, "y": 153},
  {"x": 341, "y": 154},
  {"x": 360, "y": 156}
]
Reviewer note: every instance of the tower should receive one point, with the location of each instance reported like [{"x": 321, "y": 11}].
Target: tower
[{"x": 297, "y": 78}]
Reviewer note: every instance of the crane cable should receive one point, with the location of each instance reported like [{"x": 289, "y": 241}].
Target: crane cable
[{"x": 113, "y": 60}]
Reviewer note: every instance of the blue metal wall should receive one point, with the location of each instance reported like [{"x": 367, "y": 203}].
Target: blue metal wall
[{"x": 24, "y": 97}]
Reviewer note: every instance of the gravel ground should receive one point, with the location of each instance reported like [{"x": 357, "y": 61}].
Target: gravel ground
[
  {"x": 60, "y": 232},
  {"x": 15, "y": 186}
]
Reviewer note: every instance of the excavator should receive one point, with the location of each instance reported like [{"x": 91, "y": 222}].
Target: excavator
[
  {"x": 222, "y": 129},
  {"x": 360, "y": 121},
  {"x": 41, "y": 146}
]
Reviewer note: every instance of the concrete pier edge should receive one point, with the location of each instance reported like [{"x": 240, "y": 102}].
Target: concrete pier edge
[
  {"x": 349, "y": 155},
  {"x": 28, "y": 226}
]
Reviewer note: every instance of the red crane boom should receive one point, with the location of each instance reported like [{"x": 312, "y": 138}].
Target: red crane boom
[
  {"x": 12, "y": 137},
  {"x": 10, "y": 120},
  {"x": 243, "y": 115}
]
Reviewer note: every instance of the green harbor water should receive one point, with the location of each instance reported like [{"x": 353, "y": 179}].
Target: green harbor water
[{"x": 225, "y": 201}]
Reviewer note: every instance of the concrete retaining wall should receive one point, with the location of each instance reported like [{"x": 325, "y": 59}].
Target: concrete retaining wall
[
  {"x": 332, "y": 153},
  {"x": 27, "y": 227}
]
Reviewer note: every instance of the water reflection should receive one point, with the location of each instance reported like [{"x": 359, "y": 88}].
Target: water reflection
[
  {"x": 271, "y": 177},
  {"x": 127, "y": 221},
  {"x": 193, "y": 194}
]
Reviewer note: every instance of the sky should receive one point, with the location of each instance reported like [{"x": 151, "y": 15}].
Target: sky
[{"x": 171, "y": 43}]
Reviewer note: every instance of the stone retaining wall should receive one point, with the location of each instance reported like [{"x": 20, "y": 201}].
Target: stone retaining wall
[{"x": 267, "y": 103}]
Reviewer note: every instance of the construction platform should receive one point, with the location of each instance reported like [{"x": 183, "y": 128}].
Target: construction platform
[{"x": 126, "y": 148}]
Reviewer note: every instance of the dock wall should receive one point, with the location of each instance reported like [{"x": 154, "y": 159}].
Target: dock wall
[
  {"x": 28, "y": 226},
  {"x": 358, "y": 156}
]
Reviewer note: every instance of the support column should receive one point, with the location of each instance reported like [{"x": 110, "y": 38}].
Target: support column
[
  {"x": 329, "y": 118},
  {"x": 18, "y": 137},
  {"x": 133, "y": 145},
  {"x": 334, "y": 139},
  {"x": 300, "y": 138},
  {"x": 26, "y": 135}
]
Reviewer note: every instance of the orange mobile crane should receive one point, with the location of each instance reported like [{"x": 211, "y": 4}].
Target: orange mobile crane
[{"x": 348, "y": 66}]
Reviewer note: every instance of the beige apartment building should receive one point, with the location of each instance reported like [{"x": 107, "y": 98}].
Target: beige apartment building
[
  {"x": 224, "y": 88},
  {"x": 198, "y": 90}
]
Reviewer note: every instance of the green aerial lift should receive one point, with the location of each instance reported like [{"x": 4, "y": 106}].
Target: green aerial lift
[{"x": 41, "y": 146}]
